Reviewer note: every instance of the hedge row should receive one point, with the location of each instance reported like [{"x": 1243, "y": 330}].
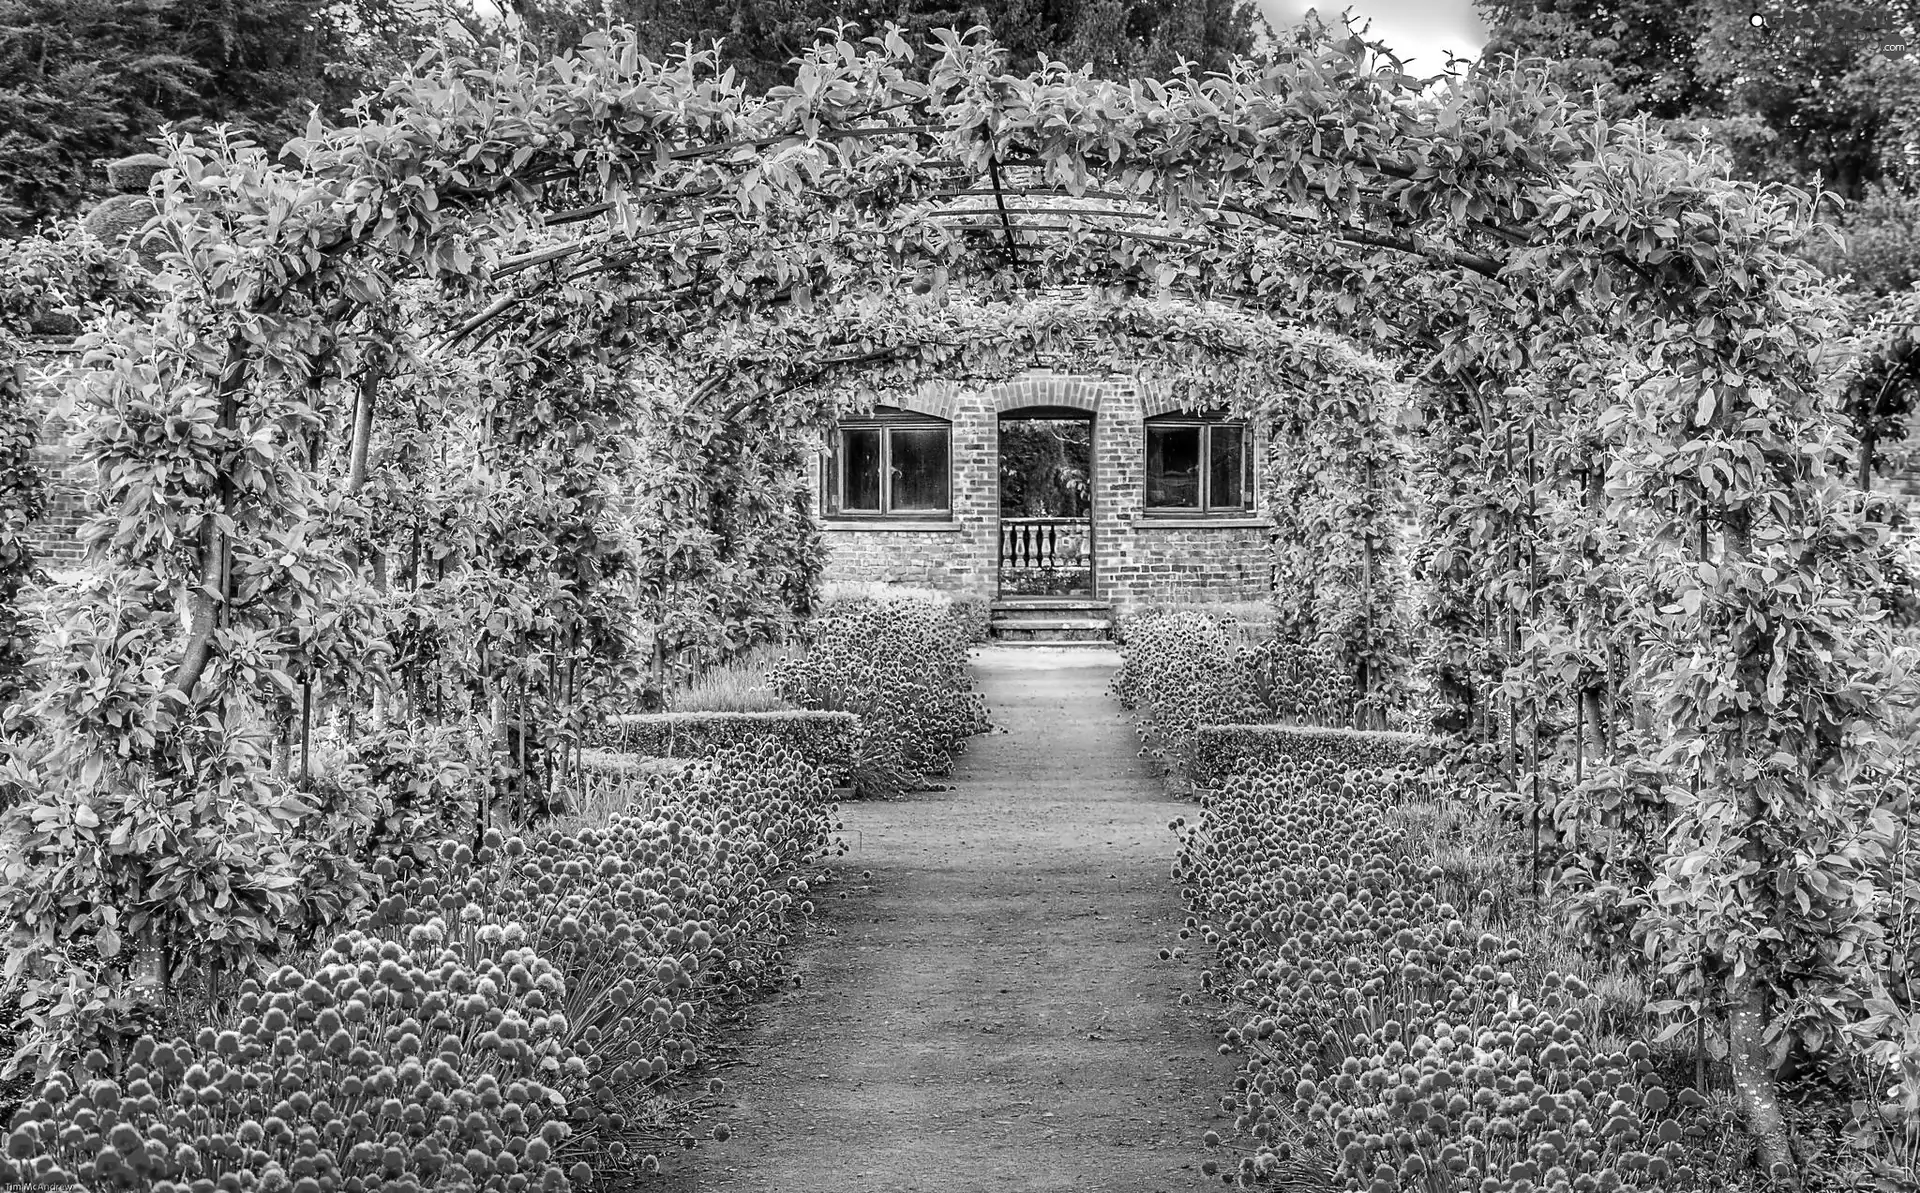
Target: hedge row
[
  {"x": 827, "y": 740},
  {"x": 1386, "y": 1044},
  {"x": 1220, "y": 750},
  {"x": 508, "y": 1021}
]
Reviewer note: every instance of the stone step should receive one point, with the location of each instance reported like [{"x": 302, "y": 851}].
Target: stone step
[
  {"x": 1058, "y": 629},
  {"x": 1053, "y": 602},
  {"x": 1052, "y": 611}
]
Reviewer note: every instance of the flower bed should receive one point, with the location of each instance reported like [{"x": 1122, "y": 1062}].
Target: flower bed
[
  {"x": 824, "y": 739},
  {"x": 1176, "y": 674},
  {"x": 1389, "y": 1040},
  {"x": 898, "y": 661},
  {"x": 511, "y": 1019},
  {"x": 1183, "y": 670}
]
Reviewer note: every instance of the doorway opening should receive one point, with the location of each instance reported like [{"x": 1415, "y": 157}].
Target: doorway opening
[{"x": 1046, "y": 505}]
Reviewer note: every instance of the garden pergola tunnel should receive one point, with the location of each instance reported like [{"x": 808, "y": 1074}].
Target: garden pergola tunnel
[{"x": 1634, "y": 473}]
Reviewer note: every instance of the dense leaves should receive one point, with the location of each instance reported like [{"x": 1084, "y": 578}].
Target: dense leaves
[
  {"x": 1812, "y": 90},
  {"x": 1118, "y": 38},
  {"x": 22, "y": 497},
  {"x": 91, "y": 80}
]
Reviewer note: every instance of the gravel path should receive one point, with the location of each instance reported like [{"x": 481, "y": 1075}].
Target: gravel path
[{"x": 990, "y": 1012}]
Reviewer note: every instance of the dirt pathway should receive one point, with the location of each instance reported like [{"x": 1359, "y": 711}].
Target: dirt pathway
[{"x": 991, "y": 1012}]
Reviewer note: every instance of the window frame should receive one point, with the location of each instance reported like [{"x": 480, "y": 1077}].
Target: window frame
[
  {"x": 833, "y": 464},
  {"x": 1204, "y": 508}
]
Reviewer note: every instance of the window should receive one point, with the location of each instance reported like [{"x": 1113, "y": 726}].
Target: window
[
  {"x": 1197, "y": 465},
  {"x": 890, "y": 466}
]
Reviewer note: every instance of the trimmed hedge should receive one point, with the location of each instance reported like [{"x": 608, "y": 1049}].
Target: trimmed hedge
[
  {"x": 824, "y": 739},
  {"x": 1220, "y": 750},
  {"x": 613, "y": 763}
]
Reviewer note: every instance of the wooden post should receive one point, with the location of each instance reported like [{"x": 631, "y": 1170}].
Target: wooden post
[
  {"x": 1533, "y": 656},
  {"x": 306, "y": 731}
]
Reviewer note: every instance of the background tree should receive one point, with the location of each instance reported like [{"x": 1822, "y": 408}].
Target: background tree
[
  {"x": 1808, "y": 96},
  {"x": 1044, "y": 468},
  {"x": 1119, "y": 38},
  {"x": 1814, "y": 94},
  {"x": 82, "y": 81}
]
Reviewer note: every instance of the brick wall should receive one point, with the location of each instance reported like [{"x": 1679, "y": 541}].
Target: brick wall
[
  {"x": 68, "y": 483},
  {"x": 957, "y": 556},
  {"x": 1136, "y": 559},
  {"x": 1143, "y": 559}
]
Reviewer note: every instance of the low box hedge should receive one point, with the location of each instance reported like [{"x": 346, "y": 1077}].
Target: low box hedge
[
  {"x": 1219, "y": 750},
  {"x": 824, "y": 739},
  {"x": 615, "y": 762}
]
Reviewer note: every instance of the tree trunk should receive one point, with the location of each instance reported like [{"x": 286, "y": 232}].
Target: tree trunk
[
  {"x": 283, "y": 745},
  {"x": 1747, "y": 1015},
  {"x": 204, "y": 603},
  {"x": 1596, "y": 725},
  {"x": 1753, "y": 1078}
]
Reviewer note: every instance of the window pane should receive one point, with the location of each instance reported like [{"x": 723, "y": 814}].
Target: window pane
[
  {"x": 1173, "y": 467},
  {"x": 860, "y": 469},
  {"x": 1226, "y": 479},
  {"x": 919, "y": 469}
]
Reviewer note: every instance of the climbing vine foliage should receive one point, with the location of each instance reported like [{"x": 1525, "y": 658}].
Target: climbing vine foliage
[{"x": 1614, "y": 345}]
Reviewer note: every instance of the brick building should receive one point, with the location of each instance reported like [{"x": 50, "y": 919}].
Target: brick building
[
  {"x": 913, "y": 494},
  {"x": 67, "y": 483}
]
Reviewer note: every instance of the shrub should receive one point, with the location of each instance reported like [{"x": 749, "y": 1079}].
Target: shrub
[
  {"x": 659, "y": 919},
  {"x": 900, "y": 663},
  {"x": 973, "y": 614},
  {"x": 1386, "y": 1043},
  {"x": 1219, "y": 750},
  {"x": 975, "y": 618},
  {"x": 827, "y": 740},
  {"x": 1184, "y": 669}
]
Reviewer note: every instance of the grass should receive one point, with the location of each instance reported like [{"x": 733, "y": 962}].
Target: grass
[
  {"x": 608, "y": 783},
  {"x": 738, "y": 685}
]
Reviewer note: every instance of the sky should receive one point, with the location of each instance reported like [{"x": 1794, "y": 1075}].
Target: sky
[{"x": 1420, "y": 31}]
